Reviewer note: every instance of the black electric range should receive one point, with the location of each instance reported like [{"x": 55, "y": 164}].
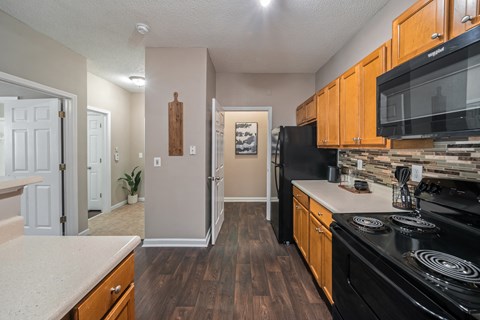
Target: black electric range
[{"x": 414, "y": 265}]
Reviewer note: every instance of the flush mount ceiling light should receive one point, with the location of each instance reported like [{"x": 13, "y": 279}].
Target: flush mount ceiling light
[
  {"x": 137, "y": 80},
  {"x": 265, "y": 3},
  {"x": 142, "y": 28}
]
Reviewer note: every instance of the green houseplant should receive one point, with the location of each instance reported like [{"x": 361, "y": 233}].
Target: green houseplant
[{"x": 132, "y": 182}]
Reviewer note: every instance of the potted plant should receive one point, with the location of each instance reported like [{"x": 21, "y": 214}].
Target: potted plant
[{"x": 132, "y": 182}]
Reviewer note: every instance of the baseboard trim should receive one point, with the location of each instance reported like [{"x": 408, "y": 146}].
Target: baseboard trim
[
  {"x": 85, "y": 232},
  {"x": 119, "y": 205},
  {"x": 142, "y": 199},
  {"x": 245, "y": 199},
  {"x": 165, "y": 242}
]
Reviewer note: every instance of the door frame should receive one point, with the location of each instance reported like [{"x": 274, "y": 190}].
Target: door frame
[
  {"x": 267, "y": 109},
  {"x": 70, "y": 145},
  {"x": 107, "y": 174}
]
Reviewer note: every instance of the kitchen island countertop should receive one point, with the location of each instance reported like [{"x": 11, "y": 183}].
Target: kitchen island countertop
[
  {"x": 44, "y": 277},
  {"x": 338, "y": 200}
]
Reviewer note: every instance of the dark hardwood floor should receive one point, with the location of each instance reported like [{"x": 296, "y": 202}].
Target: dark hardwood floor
[{"x": 246, "y": 275}]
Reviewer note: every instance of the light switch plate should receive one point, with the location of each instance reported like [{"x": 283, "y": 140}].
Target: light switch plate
[
  {"x": 140, "y": 155},
  {"x": 157, "y": 162},
  {"x": 359, "y": 164},
  {"x": 417, "y": 172}
]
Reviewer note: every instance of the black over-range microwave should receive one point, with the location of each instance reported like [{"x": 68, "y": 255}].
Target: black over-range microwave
[{"x": 435, "y": 94}]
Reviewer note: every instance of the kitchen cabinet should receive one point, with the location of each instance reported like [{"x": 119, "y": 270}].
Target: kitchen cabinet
[
  {"x": 349, "y": 107},
  {"x": 320, "y": 241},
  {"x": 112, "y": 298},
  {"x": 421, "y": 27},
  {"x": 328, "y": 115},
  {"x": 307, "y": 112},
  {"x": 464, "y": 15},
  {"x": 300, "y": 221}
]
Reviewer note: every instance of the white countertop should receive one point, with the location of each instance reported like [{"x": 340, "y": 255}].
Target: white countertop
[
  {"x": 45, "y": 277},
  {"x": 338, "y": 200}
]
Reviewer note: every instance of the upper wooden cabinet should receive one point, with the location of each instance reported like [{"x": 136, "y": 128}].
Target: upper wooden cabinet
[
  {"x": 307, "y": 111},
  {"x": 464, "y": 15},
  {"x": 349, "y": 107},
  {"x": 328, "y": 117},
  {"x": 419, "y": 28}
]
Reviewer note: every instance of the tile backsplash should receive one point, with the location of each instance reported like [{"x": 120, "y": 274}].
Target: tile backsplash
[{"x": 458, "y": 158}]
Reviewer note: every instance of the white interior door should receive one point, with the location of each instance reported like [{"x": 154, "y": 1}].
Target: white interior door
[
  {"x": 32, "y": 148},
  {"x": 217, "y": 177},
  {"x": 95, "y": 159}
]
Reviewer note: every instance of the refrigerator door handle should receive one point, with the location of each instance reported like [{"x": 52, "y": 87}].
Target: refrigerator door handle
[
  {"x": 276, "y": 149},
  {"x": 276, "y": 179}
]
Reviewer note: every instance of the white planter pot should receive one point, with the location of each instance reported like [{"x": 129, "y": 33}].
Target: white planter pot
[{"x": 132, "y": 199}]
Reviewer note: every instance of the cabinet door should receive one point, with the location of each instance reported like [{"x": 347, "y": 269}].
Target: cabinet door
[
  {"x": 300, "y": 115},
  {"x": 333, "y": 117},
  {"x": 322, "y": 117},
  {"x": 370, "y": 68},
  {"x": 125, "y": 307},
  {"x": 296, "y": 222},
  {"x": 311, "y": 110},
  {"x": 327, "y": 262},
  {"x": 349, "y": 107},
  {"x": 419, "y": 28},
  {"x": 315, "y": 249},
  {"x": 463, "y": 16},
  {"x": 305, "y": 222}
]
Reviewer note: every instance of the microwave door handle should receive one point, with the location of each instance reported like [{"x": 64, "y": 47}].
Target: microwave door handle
[{"x": 380, "y": 274}]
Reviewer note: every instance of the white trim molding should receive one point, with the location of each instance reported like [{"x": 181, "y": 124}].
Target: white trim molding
[
  {"x": 141, "y": 199},
  {"x": 85, "y": 232},
  {"x": 245, "y": 199},
  {"x": 178, "y": 242},
  {"x": 118, "y": 205}
]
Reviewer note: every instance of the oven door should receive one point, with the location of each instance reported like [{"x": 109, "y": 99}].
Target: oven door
[{"x": 365, "y": 287}]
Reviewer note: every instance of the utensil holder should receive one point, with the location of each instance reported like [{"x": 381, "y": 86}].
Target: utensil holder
[{"x": 397, "y": 198}]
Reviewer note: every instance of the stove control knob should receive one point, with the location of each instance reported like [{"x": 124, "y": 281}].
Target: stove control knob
[
  {"x": 433, "y": 188},
  {"x": 422, "y": 187}
]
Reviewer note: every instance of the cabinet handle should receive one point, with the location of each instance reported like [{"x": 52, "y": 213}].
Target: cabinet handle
[
  {"x": 297, "y": 207},
  {"x": 317, "y": 229},
  {"x": 116, "y": 289},
  {"x": 320, "y": 230},
  {"x": 466, "y": 19},
  {"x": 436, "y": 35},
  {"x": 359, "y": 140},
  {"x": 320, "y": 214}
]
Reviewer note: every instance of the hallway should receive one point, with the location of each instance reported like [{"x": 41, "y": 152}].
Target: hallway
[
  {"x": 125, "y": 221},
  {"x": 246, "y": 275}
]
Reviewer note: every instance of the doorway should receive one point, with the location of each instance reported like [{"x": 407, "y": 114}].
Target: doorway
[
  {"x": 39, "y": 124},
  {"x": 247, "y": 177},
  {"x": 98, "y": 161}
]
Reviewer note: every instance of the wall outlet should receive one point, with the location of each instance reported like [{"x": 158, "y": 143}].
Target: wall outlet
[
  {"x": 193, "y": 150},
  {"x": 417, "y": 173},
  {"x": 157, "y": 162},
  {"x": 359, "y": 164},
  {"x": 140, "y": 155}
]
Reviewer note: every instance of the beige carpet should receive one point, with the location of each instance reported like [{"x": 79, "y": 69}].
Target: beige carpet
[{"x": 125, "y": 221}]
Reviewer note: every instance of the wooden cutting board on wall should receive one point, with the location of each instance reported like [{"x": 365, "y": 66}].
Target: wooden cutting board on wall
[{"x": 175, "y": 127}]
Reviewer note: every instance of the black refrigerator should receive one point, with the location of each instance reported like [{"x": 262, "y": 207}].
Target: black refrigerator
[{"x": 295, "y": 156}]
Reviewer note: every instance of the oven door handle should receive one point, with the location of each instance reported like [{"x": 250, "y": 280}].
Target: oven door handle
[{"x": 335, "y": 232}]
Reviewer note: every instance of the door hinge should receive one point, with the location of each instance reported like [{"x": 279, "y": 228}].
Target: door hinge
[
  {"x": 63, "y": 219},
  {"x": 100, "y": 160},
  {"x": 100, "y": 195},
  {"x": 62, "y": 167},
  {"x": 100, "y": 125},
  {"x": 61, "y": 114}
]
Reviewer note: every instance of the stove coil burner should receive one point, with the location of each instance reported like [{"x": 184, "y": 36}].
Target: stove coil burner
[
  {"x": 449, "y": 266},
  {"x": 410, "y": 224},
  {"x": 368, "y": 224}
]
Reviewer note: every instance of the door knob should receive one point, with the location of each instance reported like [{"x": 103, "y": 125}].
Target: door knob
[
  {"x": 466, "y": 19},
  {"x": 436, "y": 35},
  {"x": 89, "y": 168},
  {"x": 211, "y": 178}
]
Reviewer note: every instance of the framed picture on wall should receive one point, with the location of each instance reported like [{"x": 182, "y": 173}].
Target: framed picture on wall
[{"x": 246, "y": 138}]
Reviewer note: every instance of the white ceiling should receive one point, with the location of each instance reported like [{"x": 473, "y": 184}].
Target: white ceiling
[{"x": 290, "y": 36}]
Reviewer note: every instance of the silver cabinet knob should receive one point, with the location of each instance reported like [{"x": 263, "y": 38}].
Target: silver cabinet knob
[
  {"x": 466, "y": 19},
  {"x": 320, "y": 214},
  {"x": 436, "y": 35},
  {"x": 317, "y": 229},
  {"x": 116, "y": 289},
  {"x": 320, "y": 230},
  {"x": 297, "y": 207}
]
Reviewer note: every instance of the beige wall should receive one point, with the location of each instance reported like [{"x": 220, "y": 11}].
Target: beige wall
[
  {"x": 137, "y": 135},
  {"x": 283, "y": 92},
  {"x": 245, "y": 175},
  {"x": 175, "y": 192},
  {"x": 105, "y": 95},
  {"x": 377, "y": 30},
  {"x": 31, "y": 55}
]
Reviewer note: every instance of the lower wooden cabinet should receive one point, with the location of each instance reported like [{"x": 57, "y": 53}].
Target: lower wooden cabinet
[
  {"x": 300, "y": 227},
  {"x": 326, "y": 254},
  {"x": 112, "y": 298},
  {"x": 315, "y": 262}
]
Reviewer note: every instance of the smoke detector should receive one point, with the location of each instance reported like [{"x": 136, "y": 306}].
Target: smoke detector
[
  {"x": 142, "y": 28},
  {"x": 138, "y": 80}
]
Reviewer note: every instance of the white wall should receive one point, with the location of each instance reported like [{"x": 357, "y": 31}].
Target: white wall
[
  {"x": 31, "y": 55},
  {"x": 283, "y": 92},
  {"x": 377, "y": 31},
  {"x": 175, "y": 193},
  {"x": 245, "y": 175}
]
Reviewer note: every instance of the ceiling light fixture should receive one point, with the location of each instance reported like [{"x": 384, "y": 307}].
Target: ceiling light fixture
[
  {"x": 142, "y": 28},
  {"x": 265, "y": 3},
  {"x": 137, "y": 80}
]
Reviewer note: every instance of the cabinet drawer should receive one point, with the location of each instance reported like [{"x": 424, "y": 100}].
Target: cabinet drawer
[
  {"x": 322, "y": 214},
  {"x": 300, "y": 196},
  {"x": 103, "y": 297}
]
